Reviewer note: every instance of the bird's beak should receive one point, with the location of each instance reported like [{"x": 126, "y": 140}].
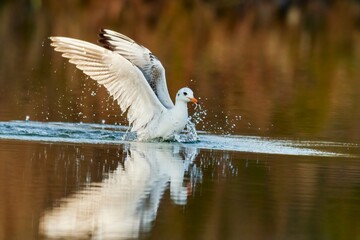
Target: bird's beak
[{"x": 194, "y": 100}]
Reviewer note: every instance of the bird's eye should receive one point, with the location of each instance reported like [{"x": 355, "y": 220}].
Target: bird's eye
[
  {"x": 178, "y": 94},
  {"x": 185, "y": 93}
]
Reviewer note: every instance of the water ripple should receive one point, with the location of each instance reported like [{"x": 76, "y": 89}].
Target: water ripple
[{"x": 116, "y": 134}]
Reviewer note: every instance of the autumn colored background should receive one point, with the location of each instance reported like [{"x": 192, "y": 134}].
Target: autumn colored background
[{"x": 287, "y": 68}]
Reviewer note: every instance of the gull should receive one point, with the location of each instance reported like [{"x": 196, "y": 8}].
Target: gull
[{"x": 135, "y": 78}]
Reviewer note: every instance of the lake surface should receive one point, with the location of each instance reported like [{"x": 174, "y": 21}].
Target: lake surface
[
  {"x": 61, "y": 180},
  {"x": 278, "y": 155}
]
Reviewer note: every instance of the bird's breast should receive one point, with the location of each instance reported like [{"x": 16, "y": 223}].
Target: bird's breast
[{"x": 170, "y": 124}]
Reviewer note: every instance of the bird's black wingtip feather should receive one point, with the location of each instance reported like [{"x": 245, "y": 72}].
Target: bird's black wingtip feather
[{"x": 105, "y": 43}]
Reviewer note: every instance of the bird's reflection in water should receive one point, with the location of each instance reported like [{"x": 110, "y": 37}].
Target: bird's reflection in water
[{"x": 126, "y": 203}]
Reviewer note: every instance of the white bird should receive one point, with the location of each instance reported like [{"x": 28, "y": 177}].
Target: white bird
[{"x": 135, "y": 78}]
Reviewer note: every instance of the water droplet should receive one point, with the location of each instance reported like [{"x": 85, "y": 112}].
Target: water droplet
[{"x": 27, "y": 118}]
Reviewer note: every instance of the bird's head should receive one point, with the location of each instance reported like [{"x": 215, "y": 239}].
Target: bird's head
[{"x": 186, "y": 94}]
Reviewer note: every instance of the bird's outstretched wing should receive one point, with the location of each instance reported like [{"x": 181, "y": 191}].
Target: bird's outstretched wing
[
  {"x": 151, "y": 67},
  {"x": 124, "y": 81}
]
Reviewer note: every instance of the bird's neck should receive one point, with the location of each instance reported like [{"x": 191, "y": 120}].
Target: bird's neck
[
  {"x": 181, "y": 108},
  {"x": 181, "y": 105}
]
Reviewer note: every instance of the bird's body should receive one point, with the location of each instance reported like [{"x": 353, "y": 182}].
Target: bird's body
[
  {"x": 136, "y": 80},
  {"x": 173, "y": 121},
  {"x": 168, "y": 123}
]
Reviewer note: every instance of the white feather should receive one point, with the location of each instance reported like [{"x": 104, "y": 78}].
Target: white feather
[
  {"x": 147, "y": 114},
  {"x": 139, "y": 55},
  {"x": 124, "y": 82}
]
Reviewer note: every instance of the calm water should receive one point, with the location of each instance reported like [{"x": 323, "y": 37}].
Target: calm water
[
  {"x": 278, "y": 155},
  {"x": 79, "y": 181}
]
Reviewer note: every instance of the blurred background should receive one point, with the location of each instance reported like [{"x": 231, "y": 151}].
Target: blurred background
[
  {"x": 278, "y": 68},
  {"x": 273, "y": 68}
]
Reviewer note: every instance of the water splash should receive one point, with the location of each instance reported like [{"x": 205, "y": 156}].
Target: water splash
[
  {"x": 188, "y": 135},
  {"x": 223, "y": 124},
  {"x": 199, "y": 115},
  {"x": 117, "y": 134}
]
